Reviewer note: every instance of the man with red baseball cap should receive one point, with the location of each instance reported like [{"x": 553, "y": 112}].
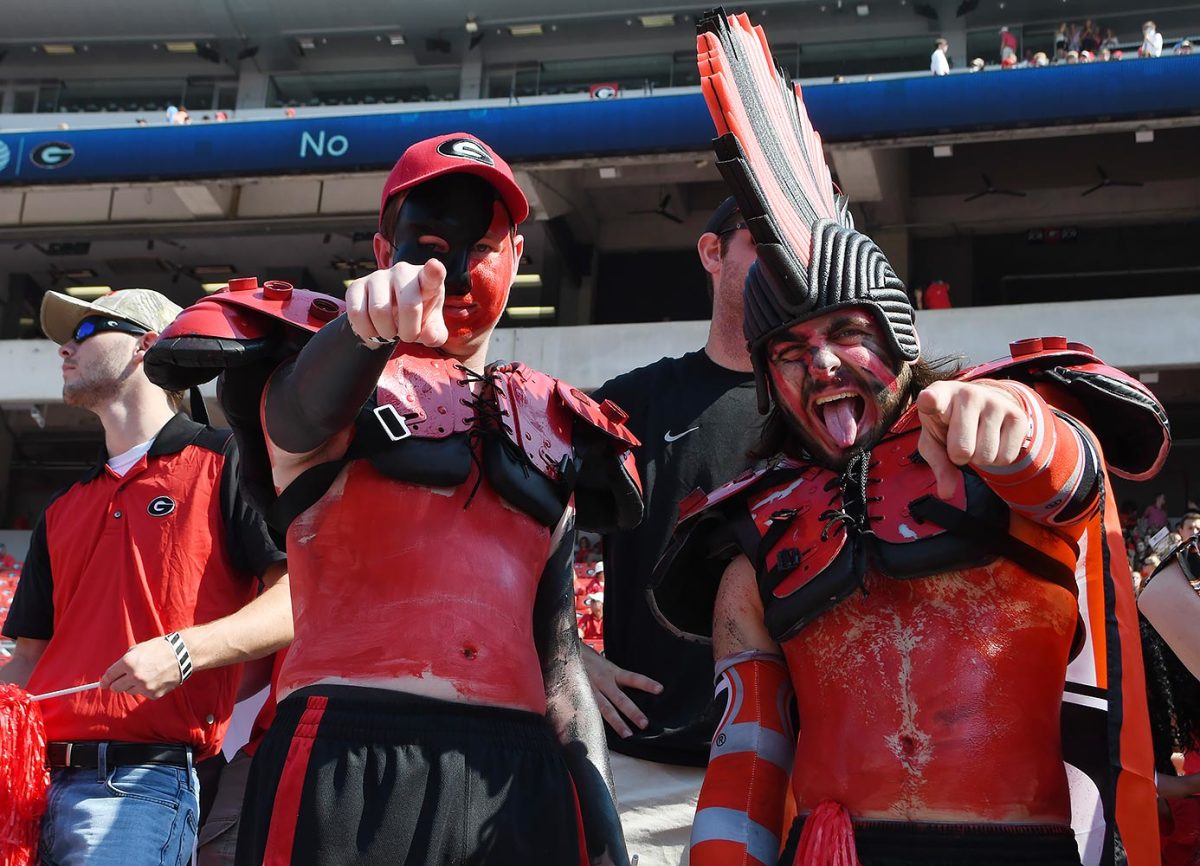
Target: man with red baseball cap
[{"x": 433, "y": 706}]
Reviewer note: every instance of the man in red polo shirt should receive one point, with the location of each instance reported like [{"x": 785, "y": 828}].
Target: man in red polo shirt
[{"x": 142, "y": 576}]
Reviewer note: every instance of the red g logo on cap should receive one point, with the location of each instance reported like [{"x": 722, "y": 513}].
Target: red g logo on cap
[{"x": 465, "y": 148}]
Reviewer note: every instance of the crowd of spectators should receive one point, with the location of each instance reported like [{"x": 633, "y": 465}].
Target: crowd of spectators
[
  {"x": 1139, "y": 527},
  {"x": 589, "y": 591},
  {"x": 1073, "y": 43},
  {"x": 10, "y": 572}
]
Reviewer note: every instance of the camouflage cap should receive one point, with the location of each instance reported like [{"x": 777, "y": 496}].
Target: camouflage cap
[{"x": 61, "y": 314}]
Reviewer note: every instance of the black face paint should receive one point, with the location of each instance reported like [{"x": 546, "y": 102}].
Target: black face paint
[{"x": 455, "y": 208}]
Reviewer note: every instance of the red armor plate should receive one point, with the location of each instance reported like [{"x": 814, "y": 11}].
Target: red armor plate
[
  {"x": 808, "y": 500},
  {"x": 537, "y": 422},
  {"x": 428, "y": 390},
  {"x": 236, "y": 312},
  {"x": 606, "y": 417}
]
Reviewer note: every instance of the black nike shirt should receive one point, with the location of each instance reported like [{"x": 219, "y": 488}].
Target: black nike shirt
[{"x": 696, "y": 421}]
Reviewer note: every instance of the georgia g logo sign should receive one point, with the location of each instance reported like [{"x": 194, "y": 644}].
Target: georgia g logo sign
[
  {"x": 52, "y": 154},
  {"x": 160, "y": 506},
  {"x": 465, "y": 148}
]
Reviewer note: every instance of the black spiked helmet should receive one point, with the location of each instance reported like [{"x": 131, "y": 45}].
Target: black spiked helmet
[{"x": 811, "y": 260}]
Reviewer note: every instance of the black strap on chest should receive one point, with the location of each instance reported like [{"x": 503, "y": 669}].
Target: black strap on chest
[
  {"x": 994, "y": 539},
  {"x": 375, "y": 430}
]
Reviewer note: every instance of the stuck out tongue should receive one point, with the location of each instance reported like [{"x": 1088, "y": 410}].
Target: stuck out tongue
[{"x": 841, "y": 422}]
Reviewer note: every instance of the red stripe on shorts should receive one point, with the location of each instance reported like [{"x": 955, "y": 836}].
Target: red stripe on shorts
[{"x": 286, "y": 812}]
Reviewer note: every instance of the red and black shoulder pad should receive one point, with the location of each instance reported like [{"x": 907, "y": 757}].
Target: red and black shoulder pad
[
  {"x": 239, "y": 325},
  {"x": 574, "y": 441},
  {"x": 1125, "y": 416},
  {"x": 713, "y": 529},
  {"x": 608, "y": 493},
  {"x": 698, "y": 501}
]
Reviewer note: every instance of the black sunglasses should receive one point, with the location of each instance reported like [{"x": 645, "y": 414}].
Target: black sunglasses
[{"x": 93, "y": 325}]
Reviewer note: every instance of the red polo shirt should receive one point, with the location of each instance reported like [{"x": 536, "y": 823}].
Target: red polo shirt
[{"x": 115, "y": 561}]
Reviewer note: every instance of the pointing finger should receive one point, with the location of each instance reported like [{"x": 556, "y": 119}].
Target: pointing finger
[{"x": 945, "y": 473}]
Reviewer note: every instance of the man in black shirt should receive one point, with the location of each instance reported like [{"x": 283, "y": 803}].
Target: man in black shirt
[{"x": 697, "y": 419}]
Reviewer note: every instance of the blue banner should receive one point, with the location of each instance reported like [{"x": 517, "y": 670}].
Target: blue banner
[{"x": 992, "y": 100}]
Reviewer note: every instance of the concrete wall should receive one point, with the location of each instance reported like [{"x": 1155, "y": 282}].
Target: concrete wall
[{"x": 1135, "y": 334}]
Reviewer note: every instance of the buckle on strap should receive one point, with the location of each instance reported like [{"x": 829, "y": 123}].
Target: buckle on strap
[{"x": 392, "y": 421}]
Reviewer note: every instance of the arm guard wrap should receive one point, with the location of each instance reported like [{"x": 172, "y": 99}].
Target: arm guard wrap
[
  {"x": 739, "y": 818},
  {"x": 1055, "y": 480}
]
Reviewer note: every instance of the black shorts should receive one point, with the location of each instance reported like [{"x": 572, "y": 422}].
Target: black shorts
[
  {"x": 894, "y": 843},
  {"x": 369, "y": 776}
]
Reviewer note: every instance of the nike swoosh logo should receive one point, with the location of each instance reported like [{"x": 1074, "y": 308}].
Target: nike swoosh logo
[{"x": 671, "y": 437}]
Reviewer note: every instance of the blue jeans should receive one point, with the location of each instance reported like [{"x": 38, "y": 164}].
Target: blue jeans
[{"x": 120, "y": 816}]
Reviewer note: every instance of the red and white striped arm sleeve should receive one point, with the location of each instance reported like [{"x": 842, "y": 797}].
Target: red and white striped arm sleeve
[
  {"x": 740, "y": 814},
  {"x": 1055, "y": 480}
]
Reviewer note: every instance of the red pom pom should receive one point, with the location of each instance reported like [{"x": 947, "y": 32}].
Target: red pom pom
[
  {"x": 827, "y": 838},
  {"x": 24, "y": 779}
]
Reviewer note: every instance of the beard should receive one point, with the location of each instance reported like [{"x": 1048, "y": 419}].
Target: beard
[
  {"x": 96, "y": 384},
  {"x": 889, "y": 403}
]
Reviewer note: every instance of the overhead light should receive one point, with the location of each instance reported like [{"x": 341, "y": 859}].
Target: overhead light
[
  {"x": 213, "y": 287},
  {"x": 396, "y": 39},
  {"x": 79, "y": 274},
  {"x": 941, "y": 151},
  {"x": 88, "y": 292},
  {"x": 657, "y": 20},
  {"x": 609, "y": 172},
  {"x": 472, "y": 26},
  {"x": 528, "y": 281},
  {"x": 58, "y": 48},
  {"x": 525, "y": 29},
  {"x": 180, "y": 47},
  {"x": 306, "y": 43},
  {"x": 863, "y": 10},
  {"x": 530, "y": 312},
  {"x": 1143, "y": 136},
  {"x": 213, "y": 270}
]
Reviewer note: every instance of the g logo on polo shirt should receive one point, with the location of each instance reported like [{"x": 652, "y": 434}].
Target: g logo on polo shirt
[
  {"x": 160, "y": 506},
  {"x": 465, "y": 148}
]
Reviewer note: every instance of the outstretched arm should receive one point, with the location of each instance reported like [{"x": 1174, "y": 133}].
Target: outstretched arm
[
  {"x": 739, "y": 818},
  {"x": 569, "y": 705},
  {"x": 1044, "y": 464},
  {"x": 320, "y": 393}
]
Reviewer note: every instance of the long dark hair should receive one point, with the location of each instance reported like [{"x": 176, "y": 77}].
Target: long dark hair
[
  {"x": 777, "y": 436},
  {"x": 1173, "y": 695}
]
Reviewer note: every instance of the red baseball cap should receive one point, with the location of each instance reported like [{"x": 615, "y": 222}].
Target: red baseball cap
[{"x": 445, "y": 154}]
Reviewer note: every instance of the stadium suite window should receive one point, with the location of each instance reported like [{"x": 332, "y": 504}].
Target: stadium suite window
[
  {"x": 859, "y": 57},
  {"x": 436, "y": 84},
  {"x": 551, "y": 77},
  {"x": 121, "y": 94}
]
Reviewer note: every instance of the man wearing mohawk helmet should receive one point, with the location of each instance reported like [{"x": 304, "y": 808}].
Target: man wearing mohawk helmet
[{"x": 905, "y": 567}]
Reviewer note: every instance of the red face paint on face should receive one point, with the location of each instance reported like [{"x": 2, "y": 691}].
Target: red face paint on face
[
  {"x": 836, "y": 382},
  {"x": 491, "y": 269}
]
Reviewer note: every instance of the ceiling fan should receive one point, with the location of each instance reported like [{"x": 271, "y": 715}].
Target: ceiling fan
[
  {"x": 661, "y": 210},
  {"x": 989, "y": 188},
  {"x": 1105, "y": 180}
]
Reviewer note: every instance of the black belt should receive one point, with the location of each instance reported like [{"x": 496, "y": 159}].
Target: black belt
[{"x": 87, "y": 755}]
